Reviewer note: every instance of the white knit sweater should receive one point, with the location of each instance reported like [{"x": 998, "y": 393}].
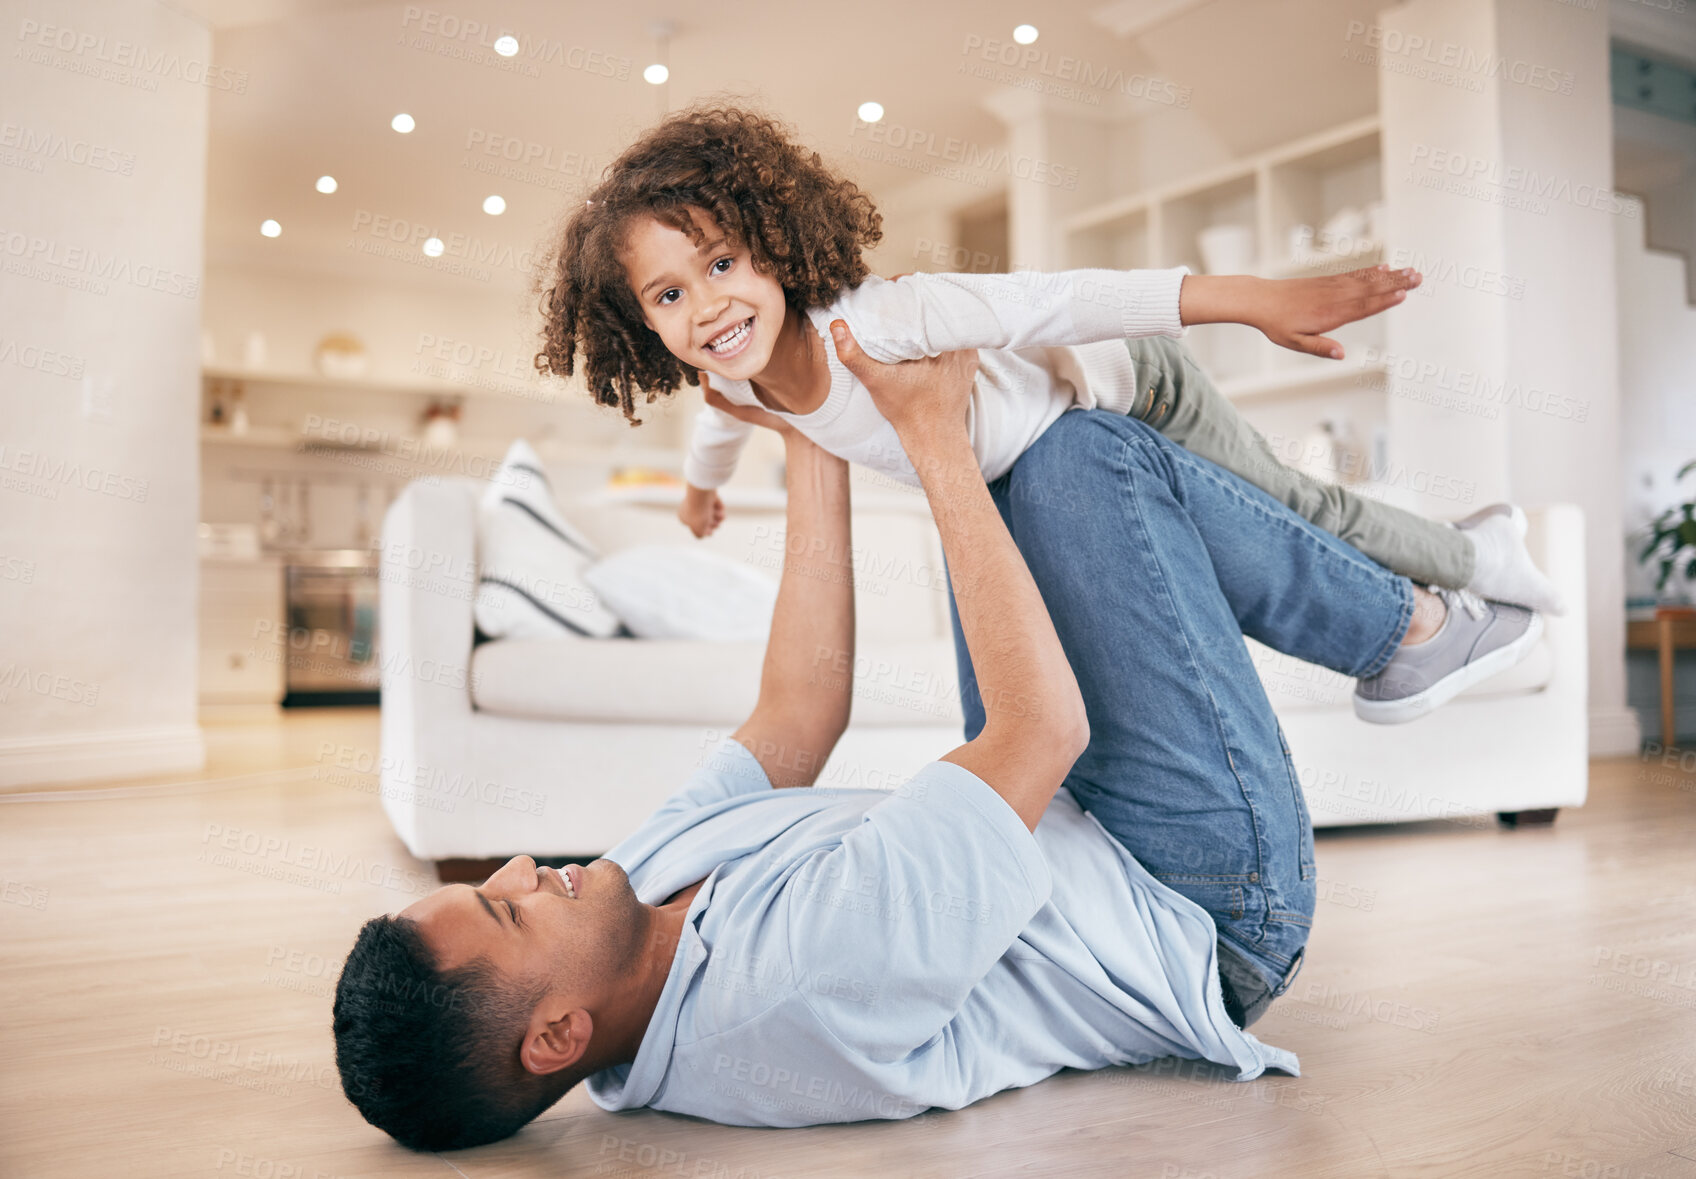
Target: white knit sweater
[{"x": 1046, "y": 342}]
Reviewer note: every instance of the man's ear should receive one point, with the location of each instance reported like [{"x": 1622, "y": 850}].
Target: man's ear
[{"x": 556, "y": 1040}]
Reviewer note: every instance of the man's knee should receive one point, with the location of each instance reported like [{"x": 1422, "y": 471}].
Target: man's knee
[{"x": 1081, "y": 454}]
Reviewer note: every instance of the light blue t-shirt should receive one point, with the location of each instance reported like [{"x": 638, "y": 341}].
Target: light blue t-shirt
[{"x": 860, "y": 954}]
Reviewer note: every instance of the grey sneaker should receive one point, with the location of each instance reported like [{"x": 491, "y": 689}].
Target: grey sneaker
[{"x": 1477, "y": 640}]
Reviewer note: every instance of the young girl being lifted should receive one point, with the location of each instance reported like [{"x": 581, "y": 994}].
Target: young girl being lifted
[{"x": 717, "y": 245}]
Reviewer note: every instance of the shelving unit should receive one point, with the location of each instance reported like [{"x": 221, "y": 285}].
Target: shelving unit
[
  {"x": 329, "y": 453},
  {"x": 281, "y": 438},
  {"x": 422, "y": 386},
  {"x": 1304, "y": 379},
  {"x": 763, "y": 499},
  {"x": 1269, "y": 195}
]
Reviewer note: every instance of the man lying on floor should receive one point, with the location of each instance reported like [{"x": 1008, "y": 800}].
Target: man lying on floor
[{"x": 760, "y": 953}]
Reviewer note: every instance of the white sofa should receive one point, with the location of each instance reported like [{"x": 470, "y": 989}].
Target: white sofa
[{"x": 561, "y": 747}]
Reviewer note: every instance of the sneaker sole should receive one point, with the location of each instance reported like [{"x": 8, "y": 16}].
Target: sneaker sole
[{"x": 1411, "y": 708}]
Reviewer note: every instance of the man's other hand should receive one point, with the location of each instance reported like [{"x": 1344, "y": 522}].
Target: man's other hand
[{"x": 917, "y": 396}]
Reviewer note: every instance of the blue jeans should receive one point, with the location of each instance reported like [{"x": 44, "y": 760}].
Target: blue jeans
[{"x": 1154, "y": 563}]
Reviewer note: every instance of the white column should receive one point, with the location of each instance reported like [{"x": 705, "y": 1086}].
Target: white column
[
  {"x": 101, "y": 230},
  {"x": 1563, "y": 336},
  {"x": 1447, "y": 454},
  {"x": 1497, "y": 168},
  {"x": 1057, "y": 163}
]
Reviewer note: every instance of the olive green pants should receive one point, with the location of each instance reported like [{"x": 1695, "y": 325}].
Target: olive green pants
[{"x": 1178, "y": 399}]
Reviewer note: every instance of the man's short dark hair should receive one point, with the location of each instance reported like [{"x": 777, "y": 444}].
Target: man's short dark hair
[{"x": 428, "y": 1056}]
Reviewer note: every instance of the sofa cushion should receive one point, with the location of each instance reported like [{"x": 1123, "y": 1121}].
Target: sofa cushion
[
  {"x": 678, "y": 681},
  {"x": 530, "y": 561},
  {"x": 669, "y": 591},
  {"x": 1294, "y": 686},
  {"x": 901, "y": 588}
]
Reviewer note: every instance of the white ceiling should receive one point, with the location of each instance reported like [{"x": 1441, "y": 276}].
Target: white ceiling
[{"x": 324, "y": 78}]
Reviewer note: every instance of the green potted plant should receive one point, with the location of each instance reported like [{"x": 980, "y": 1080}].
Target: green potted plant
[{"x": 1672, "y": 538}]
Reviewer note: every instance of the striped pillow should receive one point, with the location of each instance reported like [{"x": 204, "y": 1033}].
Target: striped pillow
[{"x": 530, "y": 562}]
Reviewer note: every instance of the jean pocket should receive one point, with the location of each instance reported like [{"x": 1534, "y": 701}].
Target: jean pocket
[{"x": 1226, "y": 901}]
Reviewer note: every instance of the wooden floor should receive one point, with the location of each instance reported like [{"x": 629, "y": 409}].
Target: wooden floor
[{"x": 1476, "y": 1002}]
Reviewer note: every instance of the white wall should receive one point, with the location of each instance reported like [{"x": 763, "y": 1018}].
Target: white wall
[
  {"x": 1657, "y": 336},
  {"x": 1657, "y": 366},
  {"x": 401, "y": 326},
  {"x": 99, "y": 357},
  {"x": 1656, "y": 158}
]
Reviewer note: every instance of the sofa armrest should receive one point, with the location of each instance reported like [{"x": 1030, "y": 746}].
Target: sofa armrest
[
  {"x": 1556, "y": 542},
  {"x": 428, "y": 571}
]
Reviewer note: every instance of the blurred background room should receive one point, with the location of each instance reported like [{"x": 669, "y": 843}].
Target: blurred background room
[{"x": 271, "y": 272}]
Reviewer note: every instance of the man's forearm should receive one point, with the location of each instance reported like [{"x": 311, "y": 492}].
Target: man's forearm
[
  {"x": 806, "y": 685},
  {"x": 1033, "y": 710}
]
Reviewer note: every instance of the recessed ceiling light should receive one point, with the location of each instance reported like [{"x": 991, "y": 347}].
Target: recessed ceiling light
[
  {"x": 870, "y": 112},
  {"x": 1025, "y": 34},
  {"x": 326, "y": 184},
  {"x": 433, "y": 247},
  {"x": 506, "y": 46},
  {"x": 403, "y": 123},
  {"x": 656, "y": 74},
  {"x": 494, "y": 206},
  {"x": 270, "y": 228}
]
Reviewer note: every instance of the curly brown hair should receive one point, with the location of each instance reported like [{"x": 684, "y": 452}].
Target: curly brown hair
[{"x": 800, "y": 221}]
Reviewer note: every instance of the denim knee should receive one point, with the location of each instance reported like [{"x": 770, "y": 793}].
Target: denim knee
[{"x": 1080, "y": 445}]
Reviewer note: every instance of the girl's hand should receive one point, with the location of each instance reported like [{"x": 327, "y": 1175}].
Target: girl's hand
[
  {"x": 702, "y": 511},
  {"x": 1295, "y": 312}
]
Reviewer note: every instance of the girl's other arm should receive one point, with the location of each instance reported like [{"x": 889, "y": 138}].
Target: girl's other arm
[
  {"x": 929, "y": 314},
  {"x": 714, "y": 448}
]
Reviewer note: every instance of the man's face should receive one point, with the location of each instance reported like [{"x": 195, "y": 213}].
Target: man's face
[
  {"x": 525, "y": 921},
  {"x": 694, "y": 297}
]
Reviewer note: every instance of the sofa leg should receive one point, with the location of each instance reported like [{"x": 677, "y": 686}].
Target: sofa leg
[
  {"x": 477, "y": 871},
  {"x": 1538, "y": 818}
]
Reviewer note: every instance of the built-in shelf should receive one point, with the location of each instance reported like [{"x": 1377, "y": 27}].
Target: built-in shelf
[
  {"x": 282, "y": 438},
  {"x": 1338, "y": 146},
  {"x": 662, "y": 495},
  {"x": 505, "y": 386},
  {"x": 269, "y": 437},
  {"x": 1321, "y": 262},
  {"x": 1318, "y": 376},
  {"x": 1301, "y": 210}
]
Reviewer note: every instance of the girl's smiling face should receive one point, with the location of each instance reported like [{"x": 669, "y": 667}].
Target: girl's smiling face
[{"x": 710, "y": 307}]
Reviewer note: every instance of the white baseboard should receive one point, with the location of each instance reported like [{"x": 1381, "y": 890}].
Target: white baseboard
[
  {"x": 113, "y": 753},
  {"x": 1614, "y": 731}
]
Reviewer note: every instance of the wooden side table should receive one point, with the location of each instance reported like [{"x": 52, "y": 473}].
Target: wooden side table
[{"x": 1672, "y": 629}]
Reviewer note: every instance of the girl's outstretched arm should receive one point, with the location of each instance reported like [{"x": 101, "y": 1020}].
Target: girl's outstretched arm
[
  {"x": 926, "y": 314},
  {"x": 1295, "y": 312}
]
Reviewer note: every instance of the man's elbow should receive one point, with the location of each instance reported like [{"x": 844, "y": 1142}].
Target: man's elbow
[
  {"x": 1071, "y": 737},
  {"x": 1061, "y": 729}
]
